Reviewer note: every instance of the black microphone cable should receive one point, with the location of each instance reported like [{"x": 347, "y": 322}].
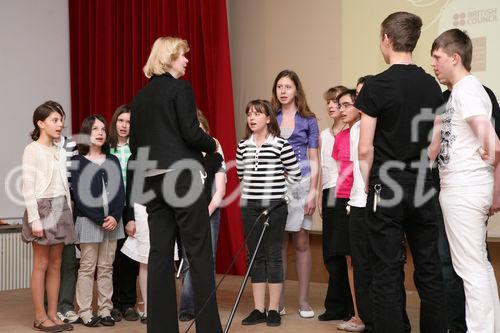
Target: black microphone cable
[{"x": 264, "y": 214}]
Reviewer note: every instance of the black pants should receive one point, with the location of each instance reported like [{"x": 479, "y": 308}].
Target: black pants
[
  {"x": 268, "y": 263},
  {"x": 125, "y": 272},
  {"x": 387, "y": 228},
  {"x": 192, "y": 222},
  {"x": 360, "y": 257},
  {"x": 338, "y": 299},
  {"x": 453, "y": 284}
]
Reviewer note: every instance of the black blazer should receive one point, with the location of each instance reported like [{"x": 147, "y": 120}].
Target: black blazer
[
  {"x": 163, "y": 119},
  {"x": 87, "y": 186}
]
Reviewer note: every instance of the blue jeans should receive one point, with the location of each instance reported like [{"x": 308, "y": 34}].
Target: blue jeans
[{"x": 187, "y": 296}]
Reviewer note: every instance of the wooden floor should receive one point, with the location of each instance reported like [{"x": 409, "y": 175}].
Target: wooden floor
[{"x": 16, "y": 312}]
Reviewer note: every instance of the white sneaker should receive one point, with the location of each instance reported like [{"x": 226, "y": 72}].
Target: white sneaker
[
  {"x": 62, "y": 317},
  {"x": 343, "y": 324},
  {"x": 306, "y": 314},
  {"x": 283, "y": 311},
  {"x": 351, "y": 326},
  {"x": 71, "y": 317}
]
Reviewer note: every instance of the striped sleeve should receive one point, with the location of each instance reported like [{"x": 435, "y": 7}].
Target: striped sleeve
[
  {"x": 70, "y": 149},
  {"x": 289, "y": 161},
  {"x": 239, "y": 159}
]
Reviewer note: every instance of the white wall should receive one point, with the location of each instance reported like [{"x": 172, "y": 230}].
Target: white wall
[{"x": 34, "y": 67}]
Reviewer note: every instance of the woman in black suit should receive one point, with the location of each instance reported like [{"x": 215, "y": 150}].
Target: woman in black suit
[{"x": 165, "y": 127}]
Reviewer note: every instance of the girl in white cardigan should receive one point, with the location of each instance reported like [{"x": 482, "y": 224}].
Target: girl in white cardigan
[{"x": 47, "y": 222}]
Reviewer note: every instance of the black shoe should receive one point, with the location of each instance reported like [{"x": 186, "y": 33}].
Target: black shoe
[
  {"x": 325, "y": 316},
  {"x": 144, "y": 319},
  {"x": 107, "y": 321},
  {"x": 93, "y": 322},
  {"x": 130, "y": 315},
  {"x": 186, "y": 316},
  {"x": 255, "y": 317},
  {"x": 116, "y": 315},
  {"x": 273, "y": 318}
]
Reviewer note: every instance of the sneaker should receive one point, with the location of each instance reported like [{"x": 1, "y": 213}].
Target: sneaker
[
  {"x": 186, "y": 316},
  {"x": 255, "y": 317},
  {"x": 273, "y": 318},
  {"x": 144, "y": 318},
  {"x": 71, "y": 317},
  {"x": 341, "y": 325},
  {"x": 130, "y": 315},
  {"x": 107, "y": 321},
  {"x": 116, "y": 315},
  {"x": 352, "y": 326},
  {"x": 62, "y": 317},
  {"x": 283, "y": 311}
]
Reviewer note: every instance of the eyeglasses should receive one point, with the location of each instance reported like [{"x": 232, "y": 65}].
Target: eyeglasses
[{"x": 345, "y": 105}]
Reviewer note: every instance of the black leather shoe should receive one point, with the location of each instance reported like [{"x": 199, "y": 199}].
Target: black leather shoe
[
  {"x": 186, "y": 316},
  {"x": 325, "y": 316},
  {"x": 255, "y": 317},
  {"x": 93, "y": 322},
  {"x": 117, "y": 315},
  {"x": 130, "y": 315},
  {"x": 107, "y": 321},
  {"x": 273, "y": 318}
]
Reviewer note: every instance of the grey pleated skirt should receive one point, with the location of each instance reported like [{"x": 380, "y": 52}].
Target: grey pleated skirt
[{"x": 57, "y": 222}]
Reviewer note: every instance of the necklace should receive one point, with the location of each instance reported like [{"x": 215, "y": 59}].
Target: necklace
[{"x": 335, "y": 134}]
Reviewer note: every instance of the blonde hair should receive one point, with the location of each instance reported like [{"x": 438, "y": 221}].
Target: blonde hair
[{"x": 164, "y": 51}]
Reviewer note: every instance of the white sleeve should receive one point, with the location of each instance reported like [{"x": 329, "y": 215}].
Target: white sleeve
[{"x": 473, "y": 101}]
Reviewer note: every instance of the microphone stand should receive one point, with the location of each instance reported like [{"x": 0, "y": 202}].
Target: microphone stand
[{"x": 243, "y": 284}]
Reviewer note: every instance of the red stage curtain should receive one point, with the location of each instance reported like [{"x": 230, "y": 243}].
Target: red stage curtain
[{"x": 110, "y": 41}]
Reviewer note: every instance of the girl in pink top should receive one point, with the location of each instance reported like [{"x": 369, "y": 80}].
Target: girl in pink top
[{"x": 341, "y": 153}]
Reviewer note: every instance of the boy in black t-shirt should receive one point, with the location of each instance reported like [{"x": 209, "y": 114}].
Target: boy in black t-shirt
[{"x": 397, "y": 108}]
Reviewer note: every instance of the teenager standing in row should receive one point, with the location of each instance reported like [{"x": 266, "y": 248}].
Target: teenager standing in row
[
  {"x": 394, "y": 166},
  {"x": 265, "y": 163},
  {"x": 299, "y": 126},
  {"x": 47, "y": 222}
]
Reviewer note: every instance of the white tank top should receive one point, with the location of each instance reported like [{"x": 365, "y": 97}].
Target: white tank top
[{"x": 329, "y": 169}]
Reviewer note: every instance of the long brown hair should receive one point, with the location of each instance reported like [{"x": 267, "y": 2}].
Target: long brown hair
[
  {"x": 300, "y": 99},
  {"x": 113, "y": 134},
  {"x": 42, "y": 112},
  {"x": 264, "y": 107},
  {"x": 203, "y": 120}
]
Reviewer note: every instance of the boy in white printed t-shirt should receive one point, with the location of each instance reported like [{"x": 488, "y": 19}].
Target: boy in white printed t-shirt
[{"x": 470, "y": 179}]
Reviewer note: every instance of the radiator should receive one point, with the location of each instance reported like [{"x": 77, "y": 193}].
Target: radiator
[{"x": 16, "y": 262}]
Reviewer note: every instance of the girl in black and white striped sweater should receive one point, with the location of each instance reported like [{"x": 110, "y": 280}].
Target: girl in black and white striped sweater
[{"x": 265, "y": 162}]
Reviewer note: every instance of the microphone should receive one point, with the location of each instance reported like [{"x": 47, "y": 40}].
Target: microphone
[{"x": 283, "y": 201}]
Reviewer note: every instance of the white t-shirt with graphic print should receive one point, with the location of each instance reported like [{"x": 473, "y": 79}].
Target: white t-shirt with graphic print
[{"x": 459, "y": 160}]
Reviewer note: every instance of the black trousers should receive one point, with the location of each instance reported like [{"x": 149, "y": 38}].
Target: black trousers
[
  {"x": 125, "y": 272},
  {"x": 192, "y": 223},
  {"x": 387, "y": 229},
  {"x": 360, "y": 257},
  {"x": 338, "y": 299},
  {"x": 268, "y": 263}
]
